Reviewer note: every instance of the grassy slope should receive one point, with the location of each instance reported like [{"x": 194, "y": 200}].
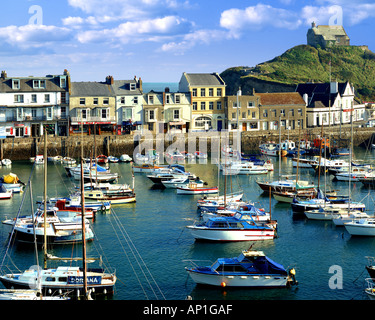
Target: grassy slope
[{"x": 305, "y": 63}]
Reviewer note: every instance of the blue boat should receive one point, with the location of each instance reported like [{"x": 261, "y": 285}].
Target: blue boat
[
  {"x": 321, "y": 201},
  {"x": 250, "y": 269}
]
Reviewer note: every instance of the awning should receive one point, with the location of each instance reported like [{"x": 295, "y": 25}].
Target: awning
[{"x": 176, "y": 123}]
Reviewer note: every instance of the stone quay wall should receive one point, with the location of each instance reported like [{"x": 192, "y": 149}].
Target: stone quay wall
[{"x": 24, "y": 148}]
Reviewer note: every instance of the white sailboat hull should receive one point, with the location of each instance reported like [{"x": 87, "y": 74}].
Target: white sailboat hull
[{"x": 202, "y": 233}]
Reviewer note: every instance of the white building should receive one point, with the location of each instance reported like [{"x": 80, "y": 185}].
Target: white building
[
  {"x": 129, "y": 102},
  {"x": 330, "y": 104},
  {"x": 28, "y": 104}
]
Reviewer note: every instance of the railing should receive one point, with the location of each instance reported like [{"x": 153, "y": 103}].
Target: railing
[
  {"x": 36, "y": 118},
  {"x": 92, "y": 119}
]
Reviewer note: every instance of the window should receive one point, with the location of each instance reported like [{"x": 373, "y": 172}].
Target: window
[
  {"x": 95, "y": 101},
  {"x": 63, "y": 111},
  {"x": 83, "y": 114},
  {"x": 62, "y": 82},
  {"x": 151, "y": 99},
  {"x": 250, "y": 104},
  {"x": 33, "y": 98},
  {"x": 151, "y": 114},
  {"x": 178, "y": 98},
  {"x": 203, "y": 92},
  {"x": 49, "y": 113},
  {"x": 18, "y": 98},
  {"x": 194, "y": 92},
  {"x": 37, "y": 84},
  {"x": 132, "y": 86},
  {"x": 176, "y": 114},
  {"x": 234, "y": 115},
  {"x": 211, "y": 92},
  {"x": 33, "y": 113},
  {"x": 265, "y": 113},
  {"x": 104, "y": 113},
  {"x": 243, "y": 115},
  {"x": 195, "y": 106},
  {"x": 105, "y": 101},
  {"x": 16, "y": 84},
  {"x": 122, "y": 100},
  {"x": 203, "y": 122},
  {"x": 299, "y": 112},
  {"x": 46, "y": 98},
  {"x": 273, "y": 111},
  {"x": 218, "y": 92},
  {"x": 82, "y": 101},
  {"x": 127, "y": 113},
  {"x": 218, "y": 105},
  {"x": 203, "y": 105},
  {"x": 167, "y": 98},
  {"x": 211, "y": 105}
]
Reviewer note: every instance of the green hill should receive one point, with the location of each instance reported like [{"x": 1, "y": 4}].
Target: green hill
[{"x": 305, "y": 63}]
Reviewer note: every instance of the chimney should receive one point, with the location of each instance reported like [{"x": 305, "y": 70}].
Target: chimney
[
  {"x": 333, "y": 87},
  {"x": 3, "y": 74},
  {"x": 306, "y": 98},
  {"x": 313, "y": 25},
  {"x": 109, "y": 80},
  {"x": 140, "y": 84}
]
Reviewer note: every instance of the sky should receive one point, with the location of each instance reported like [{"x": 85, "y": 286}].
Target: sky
[{"x": 158, "y": 40}]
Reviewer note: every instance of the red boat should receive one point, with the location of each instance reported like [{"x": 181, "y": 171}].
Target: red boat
[{"x": 102, "y": 159}]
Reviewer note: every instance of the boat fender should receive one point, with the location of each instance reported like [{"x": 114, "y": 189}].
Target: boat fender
[{"x": 223, "y": 284}]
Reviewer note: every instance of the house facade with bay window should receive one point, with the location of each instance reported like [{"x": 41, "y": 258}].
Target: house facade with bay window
[
  {"x": 93, "y": 107},
  {"x": 207, "y": 92},
  {"x": 129, "y": 100}
]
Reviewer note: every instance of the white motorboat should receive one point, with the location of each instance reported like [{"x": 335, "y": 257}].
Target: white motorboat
[
  {"x": 181, "y": 182},
  {"x": 361, "y": 227},
  {"x": 6, "y": 162},
  {"x": 248, "y": 167},
  {"x": 344, "y": 216},
  {"x": 125, "y": 158},
  {"x": 250, "y": 269},
  {"x": 192, "y": 188}
]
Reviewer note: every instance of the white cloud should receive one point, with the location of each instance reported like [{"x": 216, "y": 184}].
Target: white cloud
[
  {"x": 352, "y": 12},
  {"x": 127, "y": 9},
  {"x": 259, "y": 16},
  {"x": 192, "y": 39},
  {"x": 146, "y": 30},
  {"x": 33, "y": 35}
]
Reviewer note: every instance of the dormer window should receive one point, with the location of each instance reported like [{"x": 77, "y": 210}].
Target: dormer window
[
  {"x": 38, "y": 84},
  {"x": 62, "y": 82},
  {"x": 15, "y": 84},
  {"x": 132, "y": 86}
]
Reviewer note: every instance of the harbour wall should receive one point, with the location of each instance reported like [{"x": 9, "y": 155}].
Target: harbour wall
[{"x": 72, "y": 146}]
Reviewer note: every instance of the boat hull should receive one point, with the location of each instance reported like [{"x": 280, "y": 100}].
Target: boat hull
[
  {"x": 244, "y": 280},
  {"x": 198, "y": 190},
  {"x": 209, "y": 234},
  {"x": 72, "y": 283}
]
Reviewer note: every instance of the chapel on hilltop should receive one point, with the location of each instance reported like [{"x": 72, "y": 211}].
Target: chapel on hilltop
[{"x": 327, "y": 36}]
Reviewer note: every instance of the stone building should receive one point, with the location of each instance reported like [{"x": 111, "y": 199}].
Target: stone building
[
  {"x": 285, "y": 109},
  {"x": 327, "y": 36}
]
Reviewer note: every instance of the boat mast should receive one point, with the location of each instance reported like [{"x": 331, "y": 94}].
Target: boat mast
[
  {"x": 83, "y": 224},
  {"x": 45, "y": 197}
]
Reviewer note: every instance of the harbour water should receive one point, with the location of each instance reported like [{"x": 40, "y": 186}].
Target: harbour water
[{"x": 148, "y": 245}]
